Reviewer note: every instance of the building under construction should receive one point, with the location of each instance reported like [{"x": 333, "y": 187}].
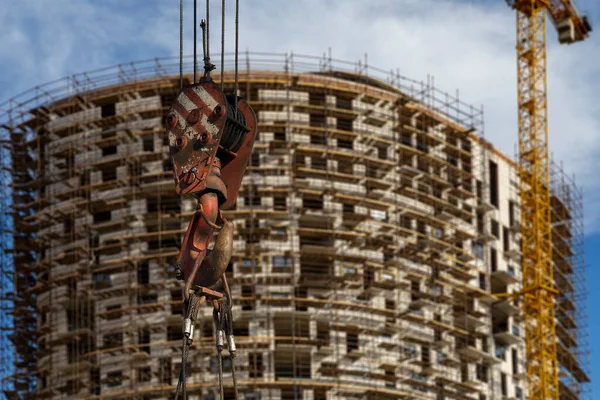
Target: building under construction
[{"x": 375, "y": 232}]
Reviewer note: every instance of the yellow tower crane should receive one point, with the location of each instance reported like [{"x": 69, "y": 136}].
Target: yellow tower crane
[{"x": 534, "y": 171}]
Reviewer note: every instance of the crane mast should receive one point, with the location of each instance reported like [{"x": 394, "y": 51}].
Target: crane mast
[{"x": 534, "y": 172}]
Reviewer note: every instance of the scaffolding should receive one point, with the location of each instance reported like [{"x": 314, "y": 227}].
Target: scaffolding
[
  {"x": 573, "y": 349},
  {"x": 366, "y": 230}
]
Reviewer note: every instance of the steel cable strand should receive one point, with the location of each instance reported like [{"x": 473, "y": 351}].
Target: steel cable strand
[
  {"x": 231, "y": 344},
  {"x": 180, "y": 44},
  {"x": 217, "y": 321},
  {"x": 222, "y": 45},
  {"x": 193, "y": 302}
]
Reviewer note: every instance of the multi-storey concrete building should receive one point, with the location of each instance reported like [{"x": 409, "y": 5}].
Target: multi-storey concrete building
[{"x": 375, "y": 233}]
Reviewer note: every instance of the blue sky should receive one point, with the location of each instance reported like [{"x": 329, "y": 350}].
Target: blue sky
[{"x": 467, "y": 45}]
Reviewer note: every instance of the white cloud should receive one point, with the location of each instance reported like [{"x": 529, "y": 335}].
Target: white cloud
[{"x": 465, "y": 45}]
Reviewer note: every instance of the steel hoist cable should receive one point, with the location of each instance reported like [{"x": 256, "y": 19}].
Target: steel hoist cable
[
  {"x": 188, "y": 336},
  {"x": 195, "y": 24},
  {"x": 217, "y": 321},
  {"x": 228, "y": 316},
  {"x": 222, "y": 45},
  {"x": 181, "y": 44},
  {"x": 205, "y": 25},
  {"x": 223, "y": 322},
  {"x": 237, "y": 24}
]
